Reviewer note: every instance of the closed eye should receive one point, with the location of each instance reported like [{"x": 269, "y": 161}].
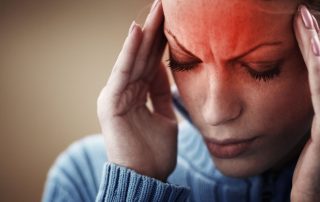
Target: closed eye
[
  {"x": 179, "y": 66},
  {"x": 272, "y": 70},
  {"x": 180, "y": 58},
  {"x": 179, "y": 61}
]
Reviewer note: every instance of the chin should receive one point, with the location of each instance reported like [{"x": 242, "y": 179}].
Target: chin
[{"x": 239, "y": 168}]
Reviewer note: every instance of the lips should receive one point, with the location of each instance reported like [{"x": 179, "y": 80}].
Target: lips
[{"x": 229, "y": 148}]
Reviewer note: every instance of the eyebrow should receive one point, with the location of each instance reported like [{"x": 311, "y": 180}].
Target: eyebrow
[
  {"x": 275, "y": 43},
  {"x": 179, "y": 44}
]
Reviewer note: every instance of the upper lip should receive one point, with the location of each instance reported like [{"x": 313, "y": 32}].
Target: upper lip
[{"x": 228, "y": 141}]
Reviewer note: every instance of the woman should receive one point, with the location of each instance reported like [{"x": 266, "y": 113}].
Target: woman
[{"x": 248, "y": 73}]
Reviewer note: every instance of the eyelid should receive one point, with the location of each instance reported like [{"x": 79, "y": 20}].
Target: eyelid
[
  {"x": 177, "y": 64},
  {"x": 186, "y": 55},
  {"x": 264, "y": 65},
  {"x": 173, "y": 49},
  {"x": 185, "y": 58},
  {"x": 261, "y": 65}
]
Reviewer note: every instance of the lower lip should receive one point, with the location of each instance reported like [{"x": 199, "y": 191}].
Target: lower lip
[{"x": 228, "y": 150}]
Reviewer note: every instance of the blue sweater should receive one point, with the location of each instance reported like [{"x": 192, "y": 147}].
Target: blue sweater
[{"x": 83, "y": 173}]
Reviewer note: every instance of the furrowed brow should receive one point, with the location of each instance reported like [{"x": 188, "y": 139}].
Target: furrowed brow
[{"x": 262, "y": 45}]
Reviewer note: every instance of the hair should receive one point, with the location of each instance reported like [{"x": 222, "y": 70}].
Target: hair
[{"x": 313, "y": 5}]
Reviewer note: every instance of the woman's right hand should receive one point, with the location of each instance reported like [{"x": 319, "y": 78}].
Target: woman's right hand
[{"x": 136, "y": 137}]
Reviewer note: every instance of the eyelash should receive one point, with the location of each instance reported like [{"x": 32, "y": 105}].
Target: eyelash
[
  {"x": 266, "y": 75},
  {"x": 178, "y": 66},
  {"x": 260, "y": 76}
]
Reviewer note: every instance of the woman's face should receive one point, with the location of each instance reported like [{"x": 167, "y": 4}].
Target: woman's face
[{"x": 241, "y": 76}]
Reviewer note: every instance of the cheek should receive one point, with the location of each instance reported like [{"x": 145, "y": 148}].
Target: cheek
[
  {"x": 283, "y": 106},
  {"x": 192, "y": 88},
  {"x": 276, "y": 105}
]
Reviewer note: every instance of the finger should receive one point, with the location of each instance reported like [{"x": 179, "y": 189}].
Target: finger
[
  {"x": 315, "y": 24},
  {"x": 155, "y": 56},
  {"x": 120, "y": 74},
  {"x": 150, "y": 30},
  {"x": 160, "y": 94},
  {"x": 122, "y": 69},
  {"x": 304, "y": 30},
  {"x": 314, "y": 75},
  {"x": 308, "y": 41}
]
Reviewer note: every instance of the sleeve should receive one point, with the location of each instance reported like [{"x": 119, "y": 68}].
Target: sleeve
[{"x": 123, "y": 184}]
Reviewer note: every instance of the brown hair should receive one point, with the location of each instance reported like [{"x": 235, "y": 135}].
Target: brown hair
[{"x": 314, "y": 6}]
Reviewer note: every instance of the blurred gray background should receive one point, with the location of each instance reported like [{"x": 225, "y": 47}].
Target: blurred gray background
[{"x": 55, "y": 56}]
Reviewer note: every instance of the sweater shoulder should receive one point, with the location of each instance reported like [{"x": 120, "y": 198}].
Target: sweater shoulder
[{"x": 80, "y": 164}]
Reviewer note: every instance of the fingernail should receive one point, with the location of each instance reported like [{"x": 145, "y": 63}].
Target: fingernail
[
  {"x": 315, "y": 23},
  {"x": 155, "y": 3},
  {"x": 315, "y": 45},
  {"x": 132, "y": 26},
  {"x": 306, "y": 17}
]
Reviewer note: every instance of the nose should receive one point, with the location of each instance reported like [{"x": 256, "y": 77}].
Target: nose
[{"x": 222, "y": 102}]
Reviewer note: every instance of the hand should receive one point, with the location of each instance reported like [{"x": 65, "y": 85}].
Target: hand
[
  {"x": 136, "y": 137},
  {"x": 306, "y": 180}
]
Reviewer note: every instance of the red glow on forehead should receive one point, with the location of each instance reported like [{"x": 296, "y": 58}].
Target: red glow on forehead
[{"x": 227, "y": 28}]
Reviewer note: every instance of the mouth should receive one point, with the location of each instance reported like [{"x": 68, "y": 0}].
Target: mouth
[{"x": 229, "y": 148}]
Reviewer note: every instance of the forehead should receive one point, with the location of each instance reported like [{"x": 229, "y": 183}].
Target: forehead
[{"x": 229, "y": 26}]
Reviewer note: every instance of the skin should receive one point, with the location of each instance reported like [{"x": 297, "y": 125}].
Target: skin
[{"x": 230, "y": 103}]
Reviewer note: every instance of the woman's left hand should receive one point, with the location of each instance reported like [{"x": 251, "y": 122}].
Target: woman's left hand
[{"x": 306, "y": 179}]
